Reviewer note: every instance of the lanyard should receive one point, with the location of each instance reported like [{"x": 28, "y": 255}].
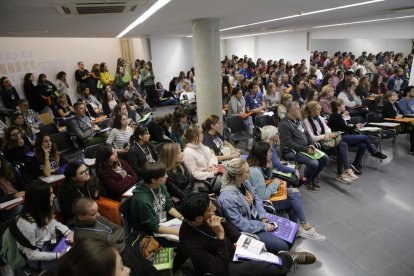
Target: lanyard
[
  {"x": 201, "y": 231},
  {"x": 157, "y": 199},
  {"x": 107, "y": 229},
  {"x": 87, "y": 188}
]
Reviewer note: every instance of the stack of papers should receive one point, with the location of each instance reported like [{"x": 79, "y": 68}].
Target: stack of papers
[
  {"x": 249, "y": 249},
  {"x": 173, "y": 223}
]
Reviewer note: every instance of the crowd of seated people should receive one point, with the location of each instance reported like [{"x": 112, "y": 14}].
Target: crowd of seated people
[{"x": 193, "y": 173}]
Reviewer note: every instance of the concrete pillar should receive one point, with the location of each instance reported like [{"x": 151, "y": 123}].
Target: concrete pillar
[{"x": 206, "y": 51}]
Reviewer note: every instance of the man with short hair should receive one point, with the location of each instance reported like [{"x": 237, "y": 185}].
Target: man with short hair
[
  {"x": 89, "y": 223},
  {"x": 397, "y": 82},
  {"x": 82, "y": 75},
  {"x": 245, "y": 71},
  {"x": 92, "y": 101},
  {"x": 30, "y": 116},
  {"x": 294, "y": 137},
  {"x": 209, "y": 241},
  {"x": 82, "y": 127},
  {"x": 406, "y": 103},
  {"x": 255, "y": 100},
  {"x": 9, "y": 94},
  {"x": 341, "y": 85}
]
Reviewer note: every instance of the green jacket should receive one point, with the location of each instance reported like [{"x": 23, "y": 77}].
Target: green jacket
[{"x": 144, "y": 216}]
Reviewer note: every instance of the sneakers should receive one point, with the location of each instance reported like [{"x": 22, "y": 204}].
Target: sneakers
[
  {"x": 310, "y": 234},
  {"x": 351, "y": 175},
  {"x": 379, "y": 155},
  {"x": 316, "y": 186},
  {"x": 356, "y": 168},
  {"x": 343, "y": 179},
  {"x": 302, "y": 257},
  {"x": 310, "y": 187}
]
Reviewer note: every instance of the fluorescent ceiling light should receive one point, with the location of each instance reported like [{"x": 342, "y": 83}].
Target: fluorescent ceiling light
[
  {"x": 237, "y": 36},
  {"x": 154, "y": 8},
  {"x": 303, "y": 14},
  {"x": 361, "y": 22}
]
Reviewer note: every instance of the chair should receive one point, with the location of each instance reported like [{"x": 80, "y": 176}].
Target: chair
[
  {"x": 46, "y": 118},
  {"x": 49, "y": 128},
  {"x": 109, "y": 209},
  {"x": 236, "y": 130},
  {"x": 259, "y": 123},
  {"x": 373, "y": 117},
  {"x": 90, "y": 151},
  {"x": 66, "y": 148},
  {"x": 125, "y": 213}
]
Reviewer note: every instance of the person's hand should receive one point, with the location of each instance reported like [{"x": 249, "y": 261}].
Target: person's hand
[
  {"x": 311, "y": 150},
  {"x": 212, "y": 196},
  {"x": 236, "y": 154},
  {"x": 19, "y": 194},
  {"x": 264, "y": 220},
  {"x": 270, "y": 227},
  {"x": 96, "y": 128},
  {"x": 326, "y": 137},
  {"x": 47, "y": 152},
  {"x": 359, "y": 125},
  {"x": 346, "y": 113},
  {"x": 399, "y": 116},
  {"x": 175, "y": 199},
  {"x": 69, "y": 237},
  {"x": 21, "y": 141},
  {"x": 71, "y": 108},
  {"x": 214, "y": 222}
]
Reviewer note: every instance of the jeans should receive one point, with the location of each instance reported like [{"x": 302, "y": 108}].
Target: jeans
[
  {"x": 342, "y": 161},
  {"x": 361, "y": 141},
  {"x": 249, "y": 124},
  {"x": 313, "y": 167},
  {"x": 273, "y": 243},
  {"x": 48, "y": 265},
  {"x": 250, "y": 268},
  {"x": 293, "y": 205}
]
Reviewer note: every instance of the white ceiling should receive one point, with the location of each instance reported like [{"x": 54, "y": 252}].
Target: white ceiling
[{"x": 39, "y": 18}]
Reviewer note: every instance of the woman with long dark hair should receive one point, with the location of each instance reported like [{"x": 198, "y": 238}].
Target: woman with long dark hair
[
  {"x": 37, "y": 225},
  {"x": 33, "y": 95},
  {"x": 116, "y": 175},
  {"x": 15, "y": 146},
  {"x": 46, "y": 159},
  {"x": 147, "y": 79}
]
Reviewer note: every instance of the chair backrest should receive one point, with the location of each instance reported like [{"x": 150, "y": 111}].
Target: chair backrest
[
  {"x": 263, "y": 120},
  {"x": 372, "y": 117},
  {"x": 235, "y": 124},
  {"x": 46, "y": 118},
  {"x": 90, "y": 151},
  {"x": 125, "y": 212},
  {"x": 49, "y": 128},
  {"x": 62, "y": 142},
  {"x": 109, "y": 209}
]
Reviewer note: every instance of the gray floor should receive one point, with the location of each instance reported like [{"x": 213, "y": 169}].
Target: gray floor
[{"x": 369, "y": 225}]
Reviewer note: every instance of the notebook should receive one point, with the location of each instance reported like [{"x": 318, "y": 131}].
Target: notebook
[
  {"x": 281, "y": 193},
  {"x": 62, "y": 246},
  {"x": 164, "y": 259},
  {"x": 286, "y": 229},
  {"x": 318, "y": 154}
]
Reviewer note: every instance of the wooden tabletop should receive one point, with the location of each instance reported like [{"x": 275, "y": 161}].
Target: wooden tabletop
[{"x": 400, "y": 120}]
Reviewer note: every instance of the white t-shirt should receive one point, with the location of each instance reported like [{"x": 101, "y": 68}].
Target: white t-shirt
[{"x": 191, "y": 96}]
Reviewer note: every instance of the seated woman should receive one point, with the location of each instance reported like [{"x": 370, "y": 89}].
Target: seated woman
[
  {"x": 260, "y": 162},
  {"x": 47, "y": 89},
  {"x": 337, "y": 123},
  {"x": 37, "y": 225},
  {"x": 281, "y": 108},
  {"x": 326, "y": 97},
  {"x": 243, "y": 208},
  {"x": 63, "y": 109},
  {"x": 178, "y": 126},
  {"x": 120, "y": 134},
  {"x": 151, "y": 203},
  {"x": 273, "y": 95},
  {"x": 116, "y": 175},
  {"x": 215, "y": 141},
  {"x": 16, "y": 146},
  {"x": 109, "y": 102},
  {"x": 141, "y": 151},
  {"x": 320, "y": 132},
  {"x": 200, "y": 160},
  {"x": 179, "y": 182},
  {"x": 352, "y": 103},
  {"x": 165, "y": 97},
  {"x": 270, "y": 135},
  {"x": 17, "y": 120},
  {"x": 188, "y": 96},
  {"x": 134, "y": 98},
  {"x": 46, "y": 159},
  {"x": 392, "y": 110},
  {"x": 158, "y": 129},
  {"x": 78, "y": 183}
]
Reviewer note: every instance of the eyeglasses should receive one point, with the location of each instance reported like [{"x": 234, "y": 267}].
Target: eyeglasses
[
  {"x": 15, "y": 134},
  {"x": 85, "y": 172}
]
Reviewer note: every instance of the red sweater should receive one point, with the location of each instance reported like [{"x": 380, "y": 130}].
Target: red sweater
[{"x": 114, "y": 183}]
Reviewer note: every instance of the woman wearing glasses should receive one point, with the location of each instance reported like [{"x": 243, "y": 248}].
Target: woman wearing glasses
[
  {"x": 78, "y": 183},
  {"x": 15, "y": 146}
]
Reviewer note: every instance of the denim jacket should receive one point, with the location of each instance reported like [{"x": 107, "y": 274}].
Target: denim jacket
[{"x": 236, "y": 209}]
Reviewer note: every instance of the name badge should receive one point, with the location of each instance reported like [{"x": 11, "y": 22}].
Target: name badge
[
  {"x": 255, "y": 101},
  {"x": 162, "y": 216},
  {"x": 254, "y": 212}
]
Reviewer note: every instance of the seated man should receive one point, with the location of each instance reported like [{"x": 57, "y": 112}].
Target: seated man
[
  {"x": 83, "y": 127},
  {"x": 92, "y": 101},
  {"x": 255, "y": 100},
  {"x": 31, "y": 117},
  {"x": 406, "y": 103},
  {"x": 209, "y": 241},
  {"x": 293, "y": 136},
  {"x": 88, "y": 223}
]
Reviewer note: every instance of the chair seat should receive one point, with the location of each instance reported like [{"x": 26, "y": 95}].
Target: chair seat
[{"x": 241, "y": 136}]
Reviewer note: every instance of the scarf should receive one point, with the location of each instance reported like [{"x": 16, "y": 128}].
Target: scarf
[{"x": 312, "y": 123}]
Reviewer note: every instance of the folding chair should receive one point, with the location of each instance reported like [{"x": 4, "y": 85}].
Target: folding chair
[
  {"x": 236, "y": 130},
  {"x": 66, "y": 147},
  {"x": 49, "y": 129},
  {"x": 109, "y": 209},
  {"x": 259, "y": 123},
  {"x": 125, "y": 213}
]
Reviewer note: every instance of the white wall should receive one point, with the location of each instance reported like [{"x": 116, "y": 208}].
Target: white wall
[
  {"x": 358, "y": 45},
  {"x": 68, "y": 51},
  {"x": 170, "y": 56},
  {"x": 240, "y": 46},
  {"x": 139, "y": 49}
]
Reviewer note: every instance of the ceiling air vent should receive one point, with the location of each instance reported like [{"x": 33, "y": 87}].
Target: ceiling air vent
[{"x": 111, "y": 7}]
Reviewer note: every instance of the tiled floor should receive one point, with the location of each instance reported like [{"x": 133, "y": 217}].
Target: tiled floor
[{"x": 369, "y": 225}]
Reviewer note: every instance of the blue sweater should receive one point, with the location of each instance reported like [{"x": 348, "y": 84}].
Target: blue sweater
[
  {"x": 258, "y": 182},
  {"x": 277, "y": 165},
  {"x": 406, "y": 105}
]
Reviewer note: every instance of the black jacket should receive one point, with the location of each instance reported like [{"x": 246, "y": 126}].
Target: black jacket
[
  {"x": 337, "y": 123},
  {"x": 137, "y": 159},
  {"x": 388, "y": 110},
  {"x": 179, "y": 183},
  {"x": 291, "y": 137}
]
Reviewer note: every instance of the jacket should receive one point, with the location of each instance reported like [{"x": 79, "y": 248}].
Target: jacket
[
  {"x": 137, "y": 159},
  {"x": 115, "y": 184},
  {"x": 337, "y": 123},
  {"x": 102, "y": 228},
  {"x": 197, "y": 159},
  {"x": 179, "y": 183},
  {"x": 316, "y": 138},
  {"x": 292, "y": 138},
  {"x": 144, "y": 216},
  {"x": 258, "y": 182},
  {"x": 237, "y": 210},
  {"x": 388, "y": 110}
]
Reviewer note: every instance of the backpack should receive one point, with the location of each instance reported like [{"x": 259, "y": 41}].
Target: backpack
[{"x": 9, "y": 253}]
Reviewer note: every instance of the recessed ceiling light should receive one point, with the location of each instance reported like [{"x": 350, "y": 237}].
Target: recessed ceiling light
[
  {"x": 360, "y": 22},
  {"x": 300, "y": 13},
  {"x": 153, "y": 9},
  {"x": 255, "y": 34}
]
